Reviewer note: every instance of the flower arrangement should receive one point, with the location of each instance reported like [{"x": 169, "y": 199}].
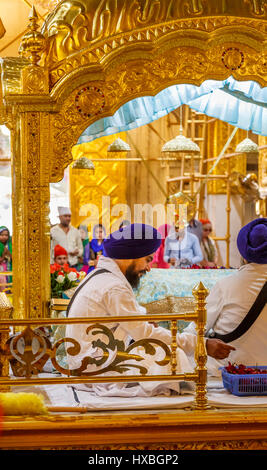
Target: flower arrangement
[{"x": 62, "y": 278}]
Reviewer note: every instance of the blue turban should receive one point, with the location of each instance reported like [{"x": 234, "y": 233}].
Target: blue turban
[
  {"x": 132, "y": 242},
  {"x": 252, "y": 241}
]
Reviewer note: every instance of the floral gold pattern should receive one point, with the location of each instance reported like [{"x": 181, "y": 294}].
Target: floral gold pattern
[{"x": 90, "y": 101}]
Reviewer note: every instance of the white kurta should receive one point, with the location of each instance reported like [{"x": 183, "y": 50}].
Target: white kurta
[
  {"x": 70, "y": 241},
  {"x": 227, "y": 304},
  {"x": 111, "y": 294}
]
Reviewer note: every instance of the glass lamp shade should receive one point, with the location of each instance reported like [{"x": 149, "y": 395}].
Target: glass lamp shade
[
  {"x": 83, "y": 163},
  {"x": 181, "y": 144},
  {"x": 247, "y": 146},
  {"x": 119, "y": 145}
]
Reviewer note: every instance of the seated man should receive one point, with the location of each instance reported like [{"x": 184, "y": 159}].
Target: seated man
[
  {"x": 60, "y": 255},
  {"x": 182, "y": 248},
  {"x": 232, "y": 297},
  {"x": 129, "y": 252}
]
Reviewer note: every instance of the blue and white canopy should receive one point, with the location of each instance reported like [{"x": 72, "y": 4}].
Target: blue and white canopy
[{"x": 242, "y": 104}]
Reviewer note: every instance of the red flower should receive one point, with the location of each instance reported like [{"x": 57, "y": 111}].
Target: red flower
[
  {"x": 66, "y": 268},
  {"x": 73, "y": 270}
]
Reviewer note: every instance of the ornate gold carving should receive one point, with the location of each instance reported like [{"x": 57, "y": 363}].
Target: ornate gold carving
[
  {"x": 113, "y": 345},
  {"x": 33, "y": 42},
  {"x": 233, "y": 58},
  {"x": 257, "y": 7},
  {"x": 27, "y": 352},
  {"x": 90, "y": 101},
  {"x": 34, "y": 78},
  {"x": 72, "y": 26},
  {"x": 124, "y": 81},
  {"x": 249, "y": 444},
  {"x": 11, "y": 68},
  {"x": 171, "y": 304},
  {"x": 247, "y": 186}
]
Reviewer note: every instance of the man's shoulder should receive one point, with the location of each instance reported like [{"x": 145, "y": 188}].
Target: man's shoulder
[
  {"x": 74, "y": 229},
  {"x": 54, "y": 228},
  {"x": 108, "y": 281}
]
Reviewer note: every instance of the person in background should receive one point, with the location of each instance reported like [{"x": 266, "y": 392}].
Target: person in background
[
  {"x": 96, "y": 244},
  {"x": 182, "y": 248},
  {"x": 85, "y": 241},
  {"x": 158, "y": 261},
  {"x": 5, "y": 255},
  {"x": 60, "y": 255},
  {"x": 232, "y": 297},
  {"x": 195, "y": 227},
  {"x": 210, "y": 257},
  {"x": 67, "y": 236},
  {"x": 110, "y": 292}
]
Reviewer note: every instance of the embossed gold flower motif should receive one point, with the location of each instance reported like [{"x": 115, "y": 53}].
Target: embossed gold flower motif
[{"x": 90, "y": 101}]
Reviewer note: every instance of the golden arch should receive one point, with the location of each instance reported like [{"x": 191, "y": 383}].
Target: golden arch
[{"x": 94, "y": 58}]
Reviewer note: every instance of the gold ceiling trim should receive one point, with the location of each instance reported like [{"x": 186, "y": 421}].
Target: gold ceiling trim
[{"x": 2, "y": 29}]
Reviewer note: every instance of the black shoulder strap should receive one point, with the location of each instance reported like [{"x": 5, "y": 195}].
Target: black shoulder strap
[
  {"x": 249, "y": 319},
  {"x": 95, "y": 273}
]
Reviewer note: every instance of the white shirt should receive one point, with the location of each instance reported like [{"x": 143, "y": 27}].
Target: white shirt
[
  {"x": 70, "y": 241},
  {"x": 111, "y": 294},
  {"x": 228, "y": 303}
]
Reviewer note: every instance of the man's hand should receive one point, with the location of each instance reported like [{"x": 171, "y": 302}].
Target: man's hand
[{"x": 218, "y": 349}]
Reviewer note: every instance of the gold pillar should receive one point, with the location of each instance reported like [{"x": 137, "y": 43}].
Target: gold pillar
[
  {"x": 200, "y": 293},
  {"x": 30, "y": 205},
  {"x": 31, "y": 147}
]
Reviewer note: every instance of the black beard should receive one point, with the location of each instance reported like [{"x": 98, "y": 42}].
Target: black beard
[{"x": 133, "y": 277}]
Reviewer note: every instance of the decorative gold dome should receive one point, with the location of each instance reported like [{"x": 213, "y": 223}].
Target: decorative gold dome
[{"x": 75, "y": 24}]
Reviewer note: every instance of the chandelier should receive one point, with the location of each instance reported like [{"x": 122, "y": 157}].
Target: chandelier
[{"x": 83, "y": 163}]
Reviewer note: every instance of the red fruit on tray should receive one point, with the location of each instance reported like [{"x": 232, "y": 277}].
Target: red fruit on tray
[{"x": 241, "y": 369}]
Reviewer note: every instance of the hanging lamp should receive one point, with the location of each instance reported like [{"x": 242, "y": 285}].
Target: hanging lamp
[
  {"x": 247, "y": 146},
  {"x": 119, "y": 145},
  {"x": 83, "y": 163},
  {"x": 181, "y": 144}
]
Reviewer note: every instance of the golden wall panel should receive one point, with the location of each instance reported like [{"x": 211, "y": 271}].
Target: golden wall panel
[
  {"x": 218, "y": 134},
  {"x": 86, "y": 188}
]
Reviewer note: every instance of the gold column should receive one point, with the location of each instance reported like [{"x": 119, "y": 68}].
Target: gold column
[
  {"x": 31, "y": 147},
  {"x": 30, "y": 190},
  {"x": 200, "y": 293}
]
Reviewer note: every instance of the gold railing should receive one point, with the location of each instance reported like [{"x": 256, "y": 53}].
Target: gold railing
[{"x": 27, "y": 364}]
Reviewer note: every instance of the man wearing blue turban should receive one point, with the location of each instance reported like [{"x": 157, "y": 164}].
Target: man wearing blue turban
[
  {"x": 108, "y": 290},
  {"x": 236, "y": 305}
]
